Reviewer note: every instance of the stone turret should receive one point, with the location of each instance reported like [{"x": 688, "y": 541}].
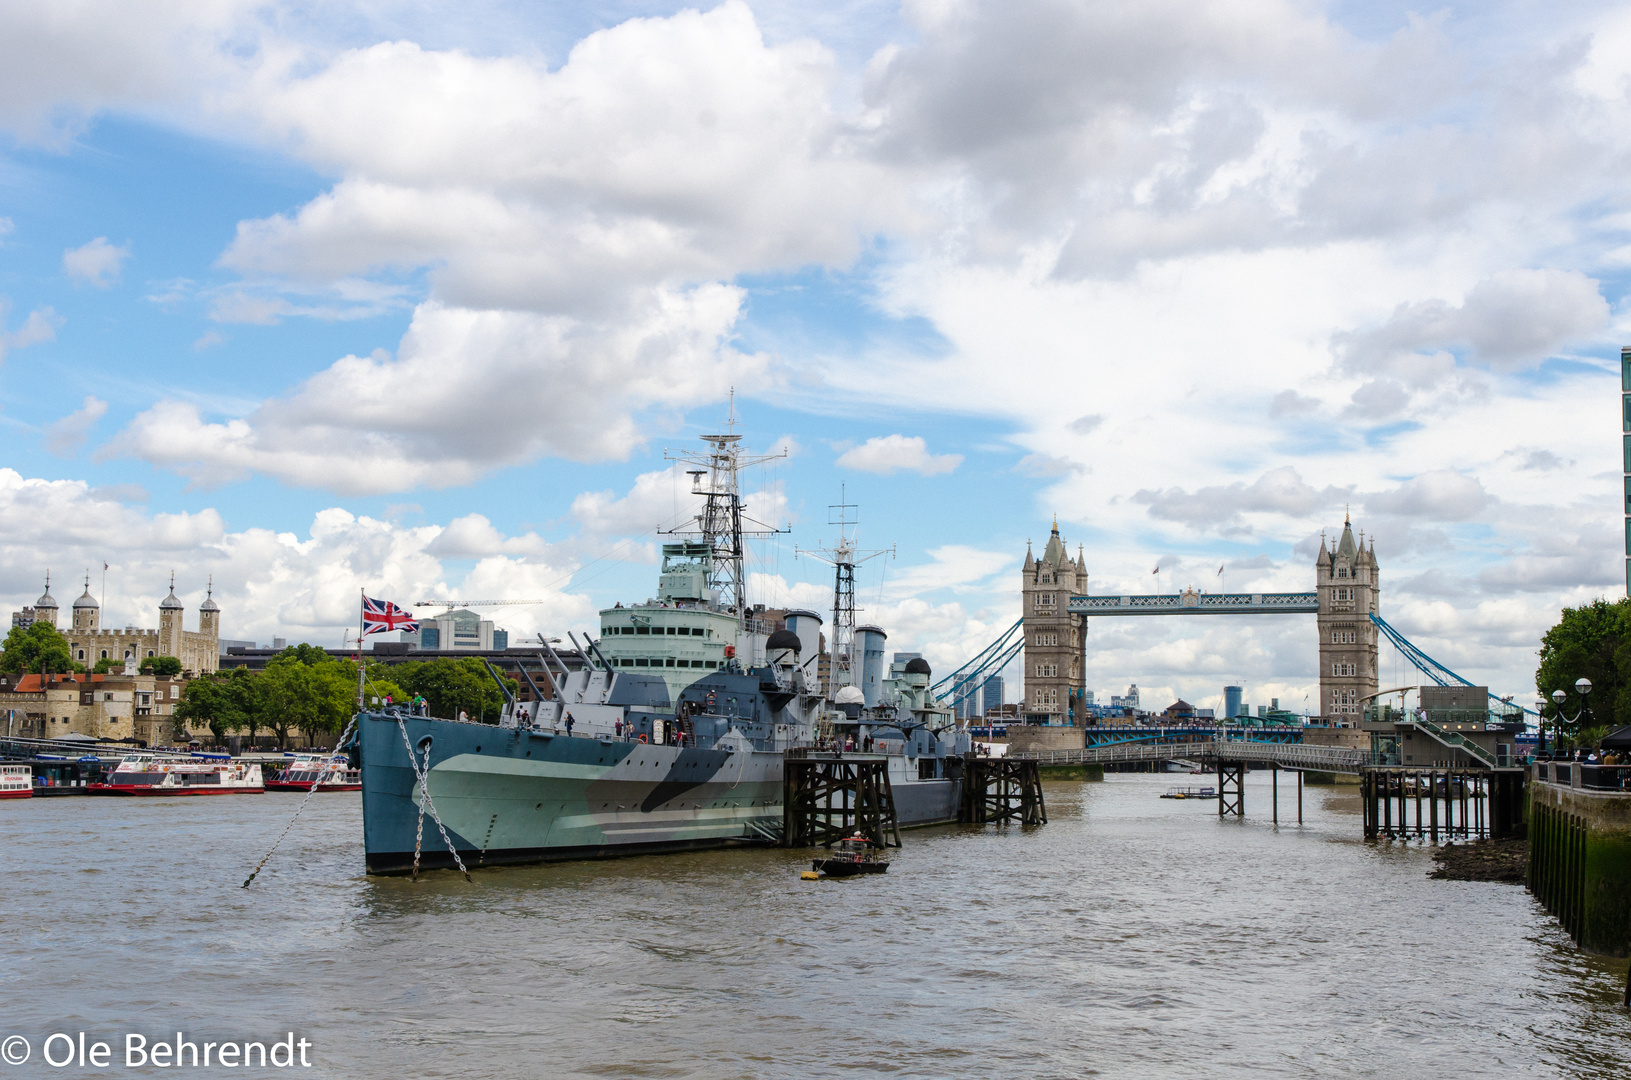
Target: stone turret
[
  {"x": 87, "y": 612},
  {"x": 1350, "y": 587},
  {"x": 209, "y": 612},
  {"x": 171, "y": 610},
  {"x": 209, "y": 620},
  {"x": 45, "y": 608}
]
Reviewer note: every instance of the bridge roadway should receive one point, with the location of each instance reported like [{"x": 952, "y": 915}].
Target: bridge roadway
[
  {"x": 1285, "y": 755},
  {"x": 1190, "y": 602}
]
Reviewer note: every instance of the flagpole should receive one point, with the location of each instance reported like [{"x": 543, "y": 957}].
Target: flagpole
[{"x": 362, "y": 595}]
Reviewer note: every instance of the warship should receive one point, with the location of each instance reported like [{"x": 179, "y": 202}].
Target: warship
[{"x": 669, "y": 735}]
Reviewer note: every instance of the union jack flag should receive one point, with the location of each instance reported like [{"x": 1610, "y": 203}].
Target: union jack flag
[{"x": 382, "y": 616}]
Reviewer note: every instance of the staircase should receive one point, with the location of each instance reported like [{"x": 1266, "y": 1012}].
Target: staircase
[
  {"x": 1455, "y": 740},
  {"x": 765, "y": 830}
]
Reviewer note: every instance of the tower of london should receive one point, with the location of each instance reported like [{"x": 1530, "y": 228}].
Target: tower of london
[{"x": 198, "y": 650}]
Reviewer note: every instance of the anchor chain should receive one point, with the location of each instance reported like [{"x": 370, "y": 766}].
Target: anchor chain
[
  {"x": 426, "y": 804},
  {"x": 296, "y": 814},
  {"x": 418, "y": 840}
]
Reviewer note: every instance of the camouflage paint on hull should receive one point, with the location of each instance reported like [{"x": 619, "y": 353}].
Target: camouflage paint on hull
[{"x": 508, "y": 795}]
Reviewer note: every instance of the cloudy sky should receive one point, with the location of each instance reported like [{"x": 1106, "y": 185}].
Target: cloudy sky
[{"x": 312, "y": 297}]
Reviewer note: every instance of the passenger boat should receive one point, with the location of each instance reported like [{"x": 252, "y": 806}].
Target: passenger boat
[
  {"x": 857, "y": 855},
  {"x": 1190, "y": 793},
  {"x": 308, "y": 771},
  {"x": 16, "y": 781},
  {"x": 201, "y": 774}
]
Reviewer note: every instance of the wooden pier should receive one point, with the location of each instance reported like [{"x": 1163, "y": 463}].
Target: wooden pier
[
  {"x": 1452, "y": 803},
  {"x": 830, "y": 796},
  {"x": 1001, "y": 789}
]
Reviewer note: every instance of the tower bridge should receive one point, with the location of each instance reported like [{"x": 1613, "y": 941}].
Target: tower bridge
[{"x": 1057, "y": 605}]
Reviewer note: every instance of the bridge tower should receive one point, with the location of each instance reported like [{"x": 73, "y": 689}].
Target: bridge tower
[
  {"x": 1350, "y": 589},
  {"x": 1055, "y": 640}
]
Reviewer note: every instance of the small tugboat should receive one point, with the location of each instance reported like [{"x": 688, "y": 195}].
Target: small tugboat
[
  {"x": 1190, "y": 793},
  {"x": 857, "y": 855},
  {"x": 202, "y": 774},
  {"x": 308, "y": 771},
  {"x": 16, "y": 781}
]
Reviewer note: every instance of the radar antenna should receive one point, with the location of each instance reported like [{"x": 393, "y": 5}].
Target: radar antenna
[
  {"x": 716, "y": 477},
  {"x": 843, "y": 557}
]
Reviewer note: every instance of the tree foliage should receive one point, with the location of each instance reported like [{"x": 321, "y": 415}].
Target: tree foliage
[
  {"x": 38, "y": 648},
  {"x": 452, "y": 686},
  {"x": 1592, "y": 641},
  {"x": 165, "y": 667},
  {"x": 225, "y": 701},
  {"x": 304, "y": 688}
]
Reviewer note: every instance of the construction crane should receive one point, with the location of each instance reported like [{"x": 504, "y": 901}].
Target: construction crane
[{"x": 451, "y": 604}]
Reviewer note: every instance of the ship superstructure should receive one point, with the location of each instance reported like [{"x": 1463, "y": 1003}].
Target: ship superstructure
[{"x": 700, "y": 618}]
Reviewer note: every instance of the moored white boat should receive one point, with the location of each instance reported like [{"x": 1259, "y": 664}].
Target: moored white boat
[
  {"x": 308, "y": 771},
  {"x": 202, "y": 774},
  {"x": 16, "y": 781}
]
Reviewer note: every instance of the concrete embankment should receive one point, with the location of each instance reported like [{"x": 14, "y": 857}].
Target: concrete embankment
[
  {"x": 1580, "y": 859},
  {"x": 1072, "y": 772}
]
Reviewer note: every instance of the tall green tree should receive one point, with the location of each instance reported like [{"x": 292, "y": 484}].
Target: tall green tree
[
  {"x": 206, "y": 701},
  {"x": 317, "y": 698},
  {"x": 39, "y": 649},
  {"x": 245, "y": 698},
  {"x": 165, "y": 667},
  {"x": 1591, "y": 641}
]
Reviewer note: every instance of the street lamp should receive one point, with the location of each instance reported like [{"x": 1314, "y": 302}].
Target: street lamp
[{"x": 1582, "y": 686}]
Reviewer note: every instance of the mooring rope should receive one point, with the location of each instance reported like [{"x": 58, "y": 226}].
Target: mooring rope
[
  {"x": 296, "y": 814},
  {"x": 427, "y": 804}
]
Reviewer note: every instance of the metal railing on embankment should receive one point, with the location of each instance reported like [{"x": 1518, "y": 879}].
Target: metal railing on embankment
[
  {"x": 1284, "y": 755},
  {"x": 17, "y": 748}
]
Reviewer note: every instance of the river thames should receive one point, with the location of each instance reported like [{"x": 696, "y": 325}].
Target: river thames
[{"x": 1131, "y": 937}]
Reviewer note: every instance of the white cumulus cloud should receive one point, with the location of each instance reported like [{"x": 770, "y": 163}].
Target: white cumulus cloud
[
  {"x": 96, "y": 263},
  {"x": 885, "y": 454}
]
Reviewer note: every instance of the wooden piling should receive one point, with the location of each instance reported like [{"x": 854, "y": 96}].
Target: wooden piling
[
  {"x": 828, "y": 797},
  {"x": 1001, "y": 789}
]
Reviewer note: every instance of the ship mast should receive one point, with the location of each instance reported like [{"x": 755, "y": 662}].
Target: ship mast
[
  {"x": 716, "y": 477},
  {"x": 843, "y": 556}
]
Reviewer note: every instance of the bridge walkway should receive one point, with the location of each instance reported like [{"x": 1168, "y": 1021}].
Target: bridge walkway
[{"x": 1284, "y": 755}]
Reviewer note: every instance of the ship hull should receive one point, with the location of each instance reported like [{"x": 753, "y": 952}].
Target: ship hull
[
  {"x": 508, "y": 795},
  {"x": 511, "y": 796}
]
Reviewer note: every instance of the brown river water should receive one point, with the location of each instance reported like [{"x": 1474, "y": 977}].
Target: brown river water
[{"x": 1130, "y": 937}]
